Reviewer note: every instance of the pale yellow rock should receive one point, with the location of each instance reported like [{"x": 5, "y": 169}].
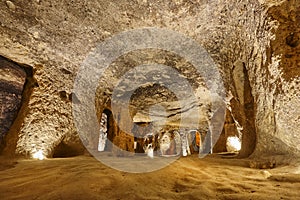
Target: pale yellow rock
[
  {"x": 10, "y": 5},
  {"x": 266, "y": 174}
]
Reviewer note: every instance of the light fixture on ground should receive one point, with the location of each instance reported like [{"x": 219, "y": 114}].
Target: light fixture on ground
[
  {"x": 38, "y": 155},
  {"x": 233, "y": 144}
]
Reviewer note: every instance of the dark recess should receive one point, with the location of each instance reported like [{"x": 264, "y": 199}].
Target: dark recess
[{"x": 9, "y": 141}]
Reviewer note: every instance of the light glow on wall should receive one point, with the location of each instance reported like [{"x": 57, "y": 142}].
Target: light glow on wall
[
  {"x": 38, "y": 155},
  {"x": 233, "y": 144}
]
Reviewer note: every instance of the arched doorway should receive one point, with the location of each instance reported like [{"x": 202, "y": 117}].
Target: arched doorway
[{"x": 106, "y": 132}]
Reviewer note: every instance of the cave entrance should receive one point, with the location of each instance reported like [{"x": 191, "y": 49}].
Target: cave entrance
[
  {"x": 239, "y": 129},
  {"x": 106, "y": 132},
  {"x": 195, "y": 140},
  {"x": 16, "y": 85},
  {"x": 140, "y": 131},
  {"x": 243, "y": 108},
  {"x": 64, "y": 150},
  {"x": 230, "y": 139}
]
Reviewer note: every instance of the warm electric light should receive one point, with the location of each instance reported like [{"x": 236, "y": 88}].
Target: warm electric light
[
  {"x": 38, "y": 155},
  {"x": 233, "y": 144}
]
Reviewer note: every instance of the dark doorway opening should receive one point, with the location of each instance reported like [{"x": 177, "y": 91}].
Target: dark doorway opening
[
  {"x": 16, "y": 85},
  {"x": 107, "y": 131}
]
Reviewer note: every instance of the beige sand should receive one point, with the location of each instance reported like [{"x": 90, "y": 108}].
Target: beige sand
[{"x": 187, "y": 178}]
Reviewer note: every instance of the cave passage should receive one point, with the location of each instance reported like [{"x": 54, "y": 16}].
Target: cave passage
[
  {"x": 16, "y": 84},
  {"x": 106, "y": 132}
]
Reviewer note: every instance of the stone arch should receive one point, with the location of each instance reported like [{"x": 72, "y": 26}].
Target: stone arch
[{"x": 110, "y": 129}]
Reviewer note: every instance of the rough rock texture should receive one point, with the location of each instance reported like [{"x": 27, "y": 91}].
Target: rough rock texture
[
  {"x": 277, "y": 99},
  {"x": 56, "y": 36}
]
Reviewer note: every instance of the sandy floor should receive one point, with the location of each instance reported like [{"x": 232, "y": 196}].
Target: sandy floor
[{"x": 187, "y": 178}]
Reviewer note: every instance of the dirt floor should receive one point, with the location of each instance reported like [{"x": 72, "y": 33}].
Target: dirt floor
[{"x": 187, "y": 178}]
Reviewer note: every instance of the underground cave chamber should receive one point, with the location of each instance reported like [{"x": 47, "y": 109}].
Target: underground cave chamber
[
  {"x": 137, "y": 140},
  {"x": 263, "y": 84},
  {"x": 254, "y": 43}
]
